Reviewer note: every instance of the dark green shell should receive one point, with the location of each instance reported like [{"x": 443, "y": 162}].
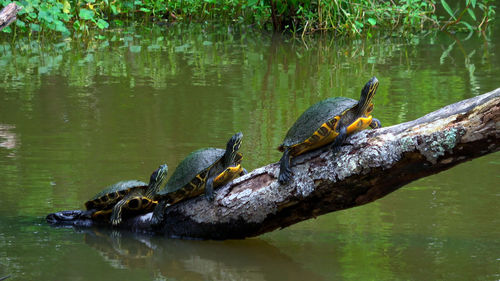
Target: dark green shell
[
  {"x": 312, "y": 119},
  {"x": 194, "y": 164},
  {"x": 114, "y": 193}
]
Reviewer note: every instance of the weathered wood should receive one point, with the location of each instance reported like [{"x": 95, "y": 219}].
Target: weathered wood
[
  {"x": 370, "y": 165},
  {"x": 8, "y": 15}
]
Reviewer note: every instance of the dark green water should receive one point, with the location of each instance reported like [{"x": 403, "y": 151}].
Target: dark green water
[{"x": 78, "y": 116}]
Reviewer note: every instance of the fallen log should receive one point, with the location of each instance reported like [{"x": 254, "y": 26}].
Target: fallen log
[
  {"x": 8, "y": 15},
  {"x": 370, "y": 165}
]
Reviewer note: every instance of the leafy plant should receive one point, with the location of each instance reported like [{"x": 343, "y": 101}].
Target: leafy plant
[{"x": 342, "y": 17}]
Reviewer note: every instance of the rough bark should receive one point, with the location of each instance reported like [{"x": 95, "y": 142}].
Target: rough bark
[
  {"x": 370, "y": 165},
  {"x": 8, "y": 15}
]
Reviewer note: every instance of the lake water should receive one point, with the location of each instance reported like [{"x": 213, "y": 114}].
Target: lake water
[{"x": 78, "y": 115}]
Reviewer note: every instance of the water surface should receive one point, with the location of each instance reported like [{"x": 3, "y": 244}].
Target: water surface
[{"x": 78, "y": 115}]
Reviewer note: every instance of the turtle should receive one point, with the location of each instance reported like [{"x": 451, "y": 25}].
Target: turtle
[
  {"x": 200, "y": 172},
  {"x": 133, "y": 196},
  {"x": 328, "y": 122}
]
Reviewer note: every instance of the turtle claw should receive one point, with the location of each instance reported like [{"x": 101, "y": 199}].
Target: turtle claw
[
  {"x": 116, "y": 222},
  {"x": 284, "y": 176},
  {"x": 210, "y": 196},
  {"x": 285, "y": 171},
  {"x": 209, "y": 190},
  {"x": 335, "y": 149},
  {"x": 335, "y": 146}
]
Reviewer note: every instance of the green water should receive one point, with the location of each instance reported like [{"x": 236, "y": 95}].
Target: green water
[{"x": 80, "y": 115}]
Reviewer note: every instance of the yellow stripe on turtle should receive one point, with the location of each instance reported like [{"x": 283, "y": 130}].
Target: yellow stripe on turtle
[
  {"x": 102, "y": 215},
  {"x": 144, "y": 205},
  {"x": 323, "y": 136},
  {"x": 360, "y": 124},
  {"x": 327, "y": 134}
]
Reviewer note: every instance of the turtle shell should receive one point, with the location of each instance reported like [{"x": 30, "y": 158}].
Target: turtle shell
[
  {"x": 316, "y": 115},
  {"x": 114, "y": 193},
  {"x": 193, "y": 165}
]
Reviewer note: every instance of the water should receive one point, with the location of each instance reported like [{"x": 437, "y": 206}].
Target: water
[{"x": 82, "y": 114}]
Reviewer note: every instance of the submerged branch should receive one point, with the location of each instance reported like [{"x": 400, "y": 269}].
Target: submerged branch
[{"x": 370, "y": 165}]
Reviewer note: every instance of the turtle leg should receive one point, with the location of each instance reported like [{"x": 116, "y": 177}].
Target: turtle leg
[
  {"x": 243, "y": 172},
  {"x": 375, "y": 124},
  {"x": 339, "y": 140},
  {"x": 102, "y": 215},
  {"x": 135, "y": 203},
  {"x": 116, "y": 215},
  {"x": 209, "y": 189},
  {"x": 158, "y": 212},
  {"x": 285, "y": 170}
]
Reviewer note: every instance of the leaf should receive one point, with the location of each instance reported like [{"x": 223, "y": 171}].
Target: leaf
[
  {"x": 113, "y": 9},
  {"x": 469, "y": 27},
  {"x": 35, "y": 27},
  {"x": 145, "y": 10},
  {"x": 86, "y": 14},
  {"x": 446, "y": 53},
  {"x": 448, "y": 9},
  {"x": 154, "y": 47},
  {"x": 372, "y": 21},
  {"x": 43, "y": 69},
  {"x": 66, "y": 7},
  {"x": 104, "y": 44},
  {"x": 20, "y": 23},
  {"x": 45, "y": 16},
  {"x": 471, "y": 13},
  {"x": 102, "y": 24},
  {"x": 135, "y": 49},
  {"x": 89, "y": 58}
]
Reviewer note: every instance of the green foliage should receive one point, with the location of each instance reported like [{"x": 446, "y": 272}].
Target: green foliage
[
  {"x": 343, "y": 17},
  {"x": 485, "y": 8}
]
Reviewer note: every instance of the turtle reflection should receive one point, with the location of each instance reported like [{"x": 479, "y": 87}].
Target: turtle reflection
[{"x": 251, "y": 259}]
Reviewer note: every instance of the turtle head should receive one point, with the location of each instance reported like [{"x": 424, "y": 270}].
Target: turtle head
[
  {"x": 233, "y": 145},
  {"x": 365, "y": 105},
  {"x": 156, "y": 179}
]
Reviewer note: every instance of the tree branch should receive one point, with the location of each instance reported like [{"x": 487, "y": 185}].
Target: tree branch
[
  {"x": 8, "y": 15},
  {"x": 370, "y": 165}
]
